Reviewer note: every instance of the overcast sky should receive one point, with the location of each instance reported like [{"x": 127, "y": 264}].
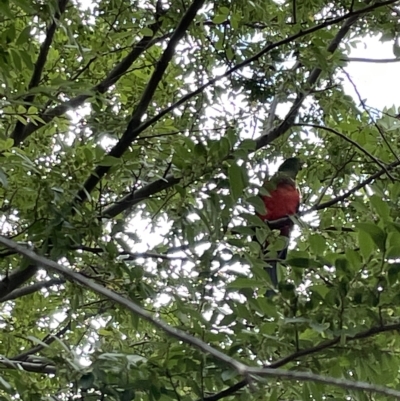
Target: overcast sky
[{"x": 378, "y": 83}]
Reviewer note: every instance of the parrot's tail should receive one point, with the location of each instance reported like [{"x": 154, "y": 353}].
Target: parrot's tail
[{"x": 272, "y": 270}]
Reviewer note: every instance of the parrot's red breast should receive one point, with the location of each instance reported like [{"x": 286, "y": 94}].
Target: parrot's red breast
[{"x": 283, "y": 201}]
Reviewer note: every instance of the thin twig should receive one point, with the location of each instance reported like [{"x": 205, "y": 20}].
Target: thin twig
[
  {"x": 129, "y": 255},
  {"x": 50, "y": 338},
  {"x": 29, "y": 366},
  {"x": 347, "y": 139}
]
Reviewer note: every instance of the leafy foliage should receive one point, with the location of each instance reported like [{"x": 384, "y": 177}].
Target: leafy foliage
[{"x": 134, "y": 138}]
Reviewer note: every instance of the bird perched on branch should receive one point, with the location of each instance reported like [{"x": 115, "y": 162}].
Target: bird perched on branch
[{"x": 282, "y": 200}]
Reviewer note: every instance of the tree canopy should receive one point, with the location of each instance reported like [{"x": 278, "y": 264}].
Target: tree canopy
[{"x": 134, "y": 138}]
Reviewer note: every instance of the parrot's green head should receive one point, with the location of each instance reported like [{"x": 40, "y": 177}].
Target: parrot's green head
[{"x": 291, "y": 167}]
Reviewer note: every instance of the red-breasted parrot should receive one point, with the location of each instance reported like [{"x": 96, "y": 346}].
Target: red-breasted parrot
[{"x": 283, "y": 200}]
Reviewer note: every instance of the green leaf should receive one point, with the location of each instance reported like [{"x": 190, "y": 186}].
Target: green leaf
[
  {"x": 301, "y": 262},
  {"x": 375, "y": 232},
  {"x": 24, "y": 36},
  {"x": 258, "y": 204},
  {"x": 86, "y": 381},
  {"x": 243, "y": 282},
  {"x": 380, "y": 206},
  {"x": 146, "y": 31},
  {"x": 248, "y": 144},
  {"x": 322, "y": 290},
  {"x": 366, "y": 244},
  {"x": 109, "y": 161},
  {"x": 317, "y": 243},
  {"x": 219, "y": 18},
  {"x": 236, "y": 181}
]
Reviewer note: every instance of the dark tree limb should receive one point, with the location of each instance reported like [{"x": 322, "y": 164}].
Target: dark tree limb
[
  {"x": 39, "y": 66},
  {"x": 139, "y": 195},
  {"x": 117, "y": 72},
  {"x": 15, "y": 279},
  {"x": 35, "y": 367},
  {"x": 131, "y": 133},
  {"x": 30, "y": 289}
]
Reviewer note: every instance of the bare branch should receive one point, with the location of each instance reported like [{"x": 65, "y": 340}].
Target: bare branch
[
  {"x": 312, "y": 377},
  {"x": 130, "y": 255},
  {"x": 372, "y": 60},
  {"x": 16, "y": 279},
  {"x": 141, "y": 194},
  {"x": 29, "y": 366},
  {"x": 21, "y": 292}
]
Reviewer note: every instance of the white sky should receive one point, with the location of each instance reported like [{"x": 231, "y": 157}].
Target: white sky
[{"x": 379, "y": 83}]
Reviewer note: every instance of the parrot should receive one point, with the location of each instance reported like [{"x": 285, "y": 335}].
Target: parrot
[{"x": 283, "y": 200}]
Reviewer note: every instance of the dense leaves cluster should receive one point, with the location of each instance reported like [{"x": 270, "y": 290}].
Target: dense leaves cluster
[{"x": 134, "y": 137}]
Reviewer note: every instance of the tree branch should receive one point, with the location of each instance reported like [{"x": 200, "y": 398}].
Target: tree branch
[
  {"x": 241, "y": 368},
  {"x": 130, "y": 133},
  {"x": 141, "y": 194},
  {"x": 21, "y": 292},
  {"x": 50, "y": 338},
  {"x": 308, "y": 351},
  {"x": 372, "y": 60},
  {"x": 350, "y": 192},
  {"x": 15, "y": 279},
  {"x": 312, "y": 377},
  {"x": 100, "y": 88},
  {"x": 29, "y": 366},
  {"x": 347, "y": 139},
  {"x": 129, "y": 255},
  {"x": 39, "y": 66}
]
